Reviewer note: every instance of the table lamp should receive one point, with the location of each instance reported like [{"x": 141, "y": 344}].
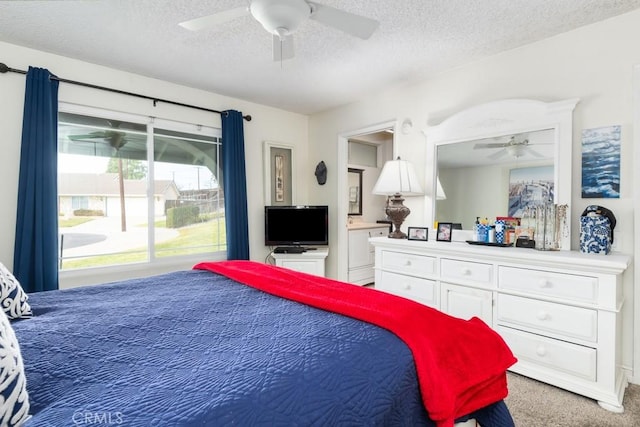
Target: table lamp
[{"x": 398, "y": 178}]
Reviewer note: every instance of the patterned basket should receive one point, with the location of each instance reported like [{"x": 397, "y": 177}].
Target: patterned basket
[{"x": 595, "y": 234}]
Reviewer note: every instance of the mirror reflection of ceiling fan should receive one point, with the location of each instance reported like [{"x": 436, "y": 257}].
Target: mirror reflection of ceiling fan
[
  {"x": 114, "y": 138},
  {"x": 513, "y": 147},
  {"x": 282, "y": 17}
]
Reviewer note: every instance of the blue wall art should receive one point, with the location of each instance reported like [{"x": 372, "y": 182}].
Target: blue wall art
[{"x": 601, "y": 163}]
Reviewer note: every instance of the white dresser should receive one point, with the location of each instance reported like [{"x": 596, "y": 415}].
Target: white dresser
[{"x": 559, "y": 312}]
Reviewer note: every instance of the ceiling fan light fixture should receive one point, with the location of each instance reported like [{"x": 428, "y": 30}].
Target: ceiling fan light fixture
[
  {"x": 280, "y": 17},
  {"x": 515, "y": 150}
]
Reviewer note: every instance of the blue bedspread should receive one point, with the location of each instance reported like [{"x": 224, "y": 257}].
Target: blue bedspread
[{"x": 193, "y": 348}]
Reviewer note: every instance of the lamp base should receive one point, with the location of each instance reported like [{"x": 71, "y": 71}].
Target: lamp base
[{"x": 397, "y": 212}]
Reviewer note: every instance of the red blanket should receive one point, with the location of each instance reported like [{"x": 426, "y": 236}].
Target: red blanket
[{"x": 461, "y": 364}]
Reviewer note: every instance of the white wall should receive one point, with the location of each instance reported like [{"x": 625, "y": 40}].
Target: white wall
[
  {"x": 594, "y": 63},
  {"x": 472, "y": 192},
  {"x": 268, "y": 124}
]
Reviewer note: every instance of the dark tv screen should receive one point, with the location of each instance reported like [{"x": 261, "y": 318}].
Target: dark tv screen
[{"x": 296, "y": 225}]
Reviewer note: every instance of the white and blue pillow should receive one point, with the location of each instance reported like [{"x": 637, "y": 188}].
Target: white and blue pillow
[
  {"x": 14, "y": 408},
  {"x": 13, "y": 299}
]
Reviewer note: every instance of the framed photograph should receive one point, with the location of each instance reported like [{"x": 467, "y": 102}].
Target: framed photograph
[
  {"x": 278, "y": 172},
  {"x": 418, "y": 233},
  {"x": 444, "y": 232}
]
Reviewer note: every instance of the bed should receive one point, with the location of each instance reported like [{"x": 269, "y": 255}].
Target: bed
[{"x": 246, "y": 344}]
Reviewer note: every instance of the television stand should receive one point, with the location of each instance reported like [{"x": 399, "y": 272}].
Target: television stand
[
  {"x": 289, "y": 250},
  {"x": 311, "y": 262}
]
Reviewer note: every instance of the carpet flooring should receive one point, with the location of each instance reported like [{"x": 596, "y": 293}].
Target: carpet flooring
[{"x": 535, "y": 404}]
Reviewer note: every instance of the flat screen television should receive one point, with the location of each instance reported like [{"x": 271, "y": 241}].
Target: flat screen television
[{"x": 296, "y": 225}]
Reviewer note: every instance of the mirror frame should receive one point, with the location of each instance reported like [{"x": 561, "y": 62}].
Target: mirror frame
[
  {"x": 505, "y": 117},
  {"x": 359, "y": 173}
]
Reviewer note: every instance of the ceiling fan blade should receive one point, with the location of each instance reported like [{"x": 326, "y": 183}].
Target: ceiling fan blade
[
  {"x": 282, "y": 48},
  {"x": 209, "y": 21},
  {"x": 490, "y": 145},
  {"x": 347, "y": 22},
  {"x": 87, "y": 136},
  {"x": 498, "y": 154},
  {"x": 533, "y": 152}
]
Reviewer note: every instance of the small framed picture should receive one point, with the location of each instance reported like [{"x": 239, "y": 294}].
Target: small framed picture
[
  {"x": 418, "y": 233},
  {"x": 444, "y": 232}
]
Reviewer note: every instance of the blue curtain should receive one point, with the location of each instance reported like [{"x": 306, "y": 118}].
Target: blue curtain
[
  {"x": 35, "y": 259},
  {"x": 234, "y": 179}
]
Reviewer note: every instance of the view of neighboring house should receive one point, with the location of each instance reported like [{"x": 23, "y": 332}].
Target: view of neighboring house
[{"x": 101, "y": 192}]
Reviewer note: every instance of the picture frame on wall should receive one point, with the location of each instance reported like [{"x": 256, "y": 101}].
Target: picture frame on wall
[
  {"x": 418, "y": 233},
  {"x": 601, "y": 162},
  {"x": 278, "y": 174},
  {"x": 444, "y": 232}
]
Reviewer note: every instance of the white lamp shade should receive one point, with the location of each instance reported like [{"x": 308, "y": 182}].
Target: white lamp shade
[{"x": 398, "y": 176}]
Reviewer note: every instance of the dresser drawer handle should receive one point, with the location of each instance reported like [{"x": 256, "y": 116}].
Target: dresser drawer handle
[
  {"x": 542, "y": 315},
  {"x": 541, "y": 351},
  {"x": 466, "y": 271},
  {"x": 407, "y": 287},
  {"x": 407, "y": 263}
]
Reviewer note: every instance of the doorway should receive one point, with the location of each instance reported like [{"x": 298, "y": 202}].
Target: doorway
[{"x": 380, "y": 136}]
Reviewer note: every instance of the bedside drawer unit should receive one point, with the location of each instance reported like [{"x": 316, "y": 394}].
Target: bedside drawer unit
[
  {"x": 407, "y": 263},
  {"x": 465, "y": 271},
  {"x": 420, "y": 290},
  {"x": 558, "y": 355},
  {"x": 555, "y": 285},
  {"x": 548, "y": 317}
]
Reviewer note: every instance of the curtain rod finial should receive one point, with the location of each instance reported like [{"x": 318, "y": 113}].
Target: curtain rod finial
[
  {"x": 3, "y": 67},
  {"x": 247, "y": 117}
]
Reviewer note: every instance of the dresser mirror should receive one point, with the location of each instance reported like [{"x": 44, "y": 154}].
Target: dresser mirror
[
  {"x": 475, "y": 155},
  {"x": 355, "y": 191}
]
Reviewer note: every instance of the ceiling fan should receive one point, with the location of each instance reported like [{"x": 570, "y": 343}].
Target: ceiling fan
[
  {"x": 512, "y": 147},
  {"x": 110, "y": 137},
  {"x": 282, "y": 17}
]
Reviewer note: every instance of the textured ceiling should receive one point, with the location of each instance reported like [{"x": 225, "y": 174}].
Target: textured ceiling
[{"x": 416, "y": 39}]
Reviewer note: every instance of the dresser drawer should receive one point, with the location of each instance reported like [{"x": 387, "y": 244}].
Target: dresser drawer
[
  {"x": 467, "y": 271},
  {"x": 416, "y": 265},
  {"x": 559, "y": 355},
  {"x": 421, "y": 290},
  {"x": 557, "y": 285},
  {"x": 567, "y": 321}
]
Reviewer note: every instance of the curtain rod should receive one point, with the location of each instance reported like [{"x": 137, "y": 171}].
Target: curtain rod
[{"x": 4, "y": 68}]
